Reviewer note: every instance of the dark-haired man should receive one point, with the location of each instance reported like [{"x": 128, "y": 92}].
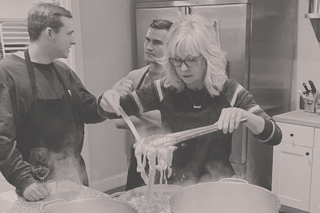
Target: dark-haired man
[
  {"x": 43, "y": 103},
  {"x": 147, "y": 123}
]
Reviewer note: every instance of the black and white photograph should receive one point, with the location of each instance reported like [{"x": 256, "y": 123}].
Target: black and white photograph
[{"x": 160, "y": 106}]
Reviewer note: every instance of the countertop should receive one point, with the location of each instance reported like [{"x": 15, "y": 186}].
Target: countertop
[
  {"x": 11, "y": 203},
  {"x": 299, "y": 117}
]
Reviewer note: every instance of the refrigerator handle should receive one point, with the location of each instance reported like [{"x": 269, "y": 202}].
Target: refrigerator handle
[{"x": 188, "y": 10}]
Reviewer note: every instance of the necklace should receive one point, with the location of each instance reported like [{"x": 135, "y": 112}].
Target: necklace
[{"x": 196, "y": 106}]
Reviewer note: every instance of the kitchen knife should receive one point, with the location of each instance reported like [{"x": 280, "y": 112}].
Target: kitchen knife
[
  {"x": 313, "y": 88},
  {"x": 306, "y": 88}
]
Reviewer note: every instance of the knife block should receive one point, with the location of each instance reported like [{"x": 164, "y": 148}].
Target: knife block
[
  {"x": 317, "y": 103},
  {"x": 301, "y": 103},
  {"x": 313, "y": 105},
  {"x": 309, "y": 105}
]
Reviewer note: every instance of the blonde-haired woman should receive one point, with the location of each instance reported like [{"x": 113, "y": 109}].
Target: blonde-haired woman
[
  {"x": 196, "y": 36},
  {"x": 197, "y": 92}
]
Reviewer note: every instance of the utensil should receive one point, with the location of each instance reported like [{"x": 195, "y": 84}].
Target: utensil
[
  {"x": 306, "y": 88},
  {"x": 178, "y": 137},
  {"x": 39, "y": 158},
  {"x": 68, "y": 184},
  {"x": 313, "y": 88},
  {"x": 228, "y": 195},
  {"x": 130, "y": 124}
]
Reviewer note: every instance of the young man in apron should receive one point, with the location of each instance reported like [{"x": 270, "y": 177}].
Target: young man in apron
[
  {"x": 147, "y": 123},
  {"x": 43, "y": 103}
]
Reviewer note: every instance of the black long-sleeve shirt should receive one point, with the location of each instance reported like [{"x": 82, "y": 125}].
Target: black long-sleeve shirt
[{"x": 16, "y": 99}]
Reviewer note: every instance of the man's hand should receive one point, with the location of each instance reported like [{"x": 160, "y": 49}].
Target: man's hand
[
  {"x": 110, "y": 101},
  {"x": 124, "y": 86},
  {"x": 36, "y": 191}
]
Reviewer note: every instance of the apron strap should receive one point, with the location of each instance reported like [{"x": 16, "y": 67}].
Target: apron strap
[
  {"x": 142, "y": 79},
  {"x": 31, "y": 74},
  {"x": 62, "y": 82},
  {"x": 74, "y": 106}
]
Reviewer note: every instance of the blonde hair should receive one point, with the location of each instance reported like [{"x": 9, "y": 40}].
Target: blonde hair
[{"x": 196, "y": 35}]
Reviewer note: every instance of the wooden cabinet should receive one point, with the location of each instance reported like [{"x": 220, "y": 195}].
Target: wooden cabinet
[{"x": 296, "y": 161}]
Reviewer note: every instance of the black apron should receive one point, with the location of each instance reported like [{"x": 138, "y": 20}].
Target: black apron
[
  {"x": 55, "y": 124},
  {"x": 133, "y": 178},
  {"x": 206, "y": 158}
]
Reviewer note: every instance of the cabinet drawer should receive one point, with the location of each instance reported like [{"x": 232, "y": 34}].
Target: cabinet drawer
[{"x": 296, "y": 134}]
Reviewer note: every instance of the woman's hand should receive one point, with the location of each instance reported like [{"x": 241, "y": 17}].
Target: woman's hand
[
  {"x": 110, "y": 101},
  {"x": 229, "y": 120}
]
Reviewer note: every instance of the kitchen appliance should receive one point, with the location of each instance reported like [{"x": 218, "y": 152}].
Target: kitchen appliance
[
  {"x": 96, "y": 205},
  {"x": 226, "y": 196},
  {"x": 258, "y": 36},
  {"x": 173, "y": 139}
]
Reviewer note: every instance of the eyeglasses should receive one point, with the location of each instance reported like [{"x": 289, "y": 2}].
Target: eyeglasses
[{"x": 188, "y": 62}]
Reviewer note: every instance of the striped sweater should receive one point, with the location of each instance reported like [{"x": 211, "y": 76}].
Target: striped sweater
[{"x": 157, "y": 96}]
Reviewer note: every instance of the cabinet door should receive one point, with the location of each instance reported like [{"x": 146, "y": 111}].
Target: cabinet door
[
  {"x": 292, "y": 175},
  {"x": 315, "y": 183}
]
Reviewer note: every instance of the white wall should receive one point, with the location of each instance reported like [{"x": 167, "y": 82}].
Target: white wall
[
  {"x": 105, "y": 52},
  {"x": 307, "y": 64},
  {"x": 16, "y": 9}
]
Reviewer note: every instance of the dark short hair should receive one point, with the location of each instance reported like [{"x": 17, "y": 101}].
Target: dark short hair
[
  {"x": 161, "y": 24},
  {"x": 45, "y": 15}
]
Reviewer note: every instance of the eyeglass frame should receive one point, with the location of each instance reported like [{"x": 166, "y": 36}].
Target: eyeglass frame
[{"x": 184, "y": 61}]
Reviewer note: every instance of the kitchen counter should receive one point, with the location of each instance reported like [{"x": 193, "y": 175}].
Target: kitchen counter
[
  {"x": 11, "y": 203},
  {"x": 299, "y": 117}
]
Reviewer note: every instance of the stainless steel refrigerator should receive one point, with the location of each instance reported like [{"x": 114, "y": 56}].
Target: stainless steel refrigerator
[{"x": 258, "y": 36}]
